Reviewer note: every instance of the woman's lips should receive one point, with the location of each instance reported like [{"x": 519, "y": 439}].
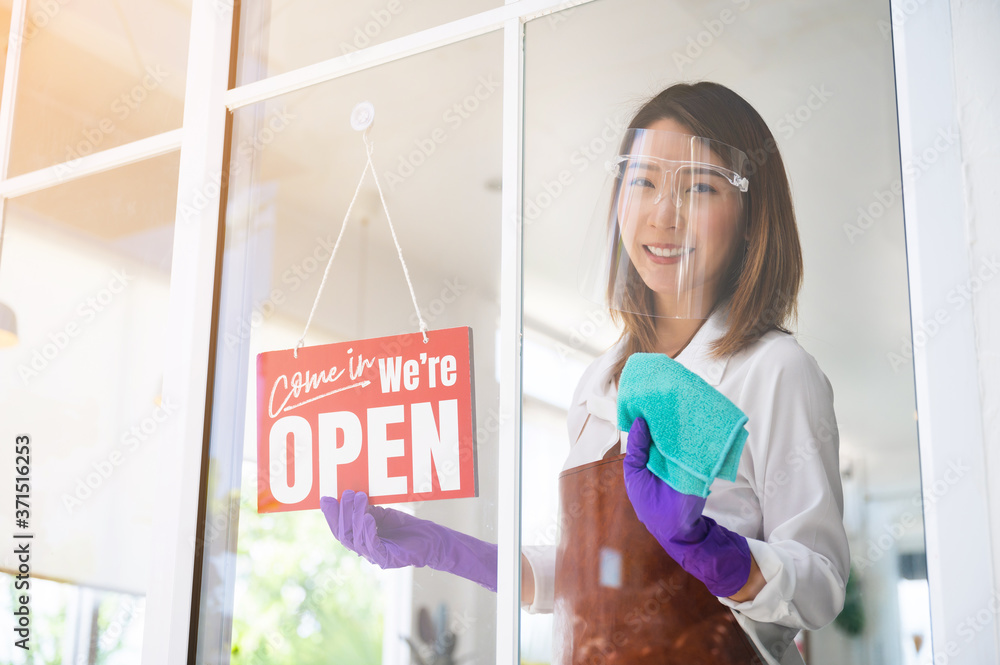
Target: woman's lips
[{"x": 666, "y": 253}]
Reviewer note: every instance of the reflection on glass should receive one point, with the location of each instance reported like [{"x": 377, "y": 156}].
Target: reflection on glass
[
  {"x": 95, "y": 75},
  {"x": 824, "y": 108},
  {"x": 281, "y": 35},
  {"x": 85, "y": 268},
  {"x": 292, "y": 592}
]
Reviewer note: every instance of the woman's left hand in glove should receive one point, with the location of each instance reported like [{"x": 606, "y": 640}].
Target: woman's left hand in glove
[
  {"x": 715, "y": 555},
  {"x": 392, "y": 539}
]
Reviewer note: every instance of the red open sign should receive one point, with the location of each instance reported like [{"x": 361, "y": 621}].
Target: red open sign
[{"x": 390, "y": 416}]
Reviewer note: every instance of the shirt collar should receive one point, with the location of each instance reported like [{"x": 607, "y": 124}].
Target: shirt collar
[{"x": 696, "y": 356}]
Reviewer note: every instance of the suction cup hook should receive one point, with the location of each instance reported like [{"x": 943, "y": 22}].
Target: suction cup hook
[{"x": 362, "y": 116}]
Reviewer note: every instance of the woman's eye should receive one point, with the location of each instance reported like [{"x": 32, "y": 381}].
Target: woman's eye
[
  {"x": 701, "y": 188},
  {"x": 639, "y": 181}
]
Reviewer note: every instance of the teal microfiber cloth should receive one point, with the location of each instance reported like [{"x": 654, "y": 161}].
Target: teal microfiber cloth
[{"x": 698, "y": 434}]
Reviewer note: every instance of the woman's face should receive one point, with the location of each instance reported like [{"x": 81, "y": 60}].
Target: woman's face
[{"x": 680, "y": 220}]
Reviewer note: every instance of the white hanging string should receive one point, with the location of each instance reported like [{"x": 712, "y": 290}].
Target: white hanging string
[
  {"x": 369, "y": 147},
  {"x": 399, "y": 251}
]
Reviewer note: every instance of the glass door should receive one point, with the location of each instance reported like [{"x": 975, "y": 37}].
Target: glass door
[
  {"x": 832, "y": 113},
  {"x": 278, "y": 586}
]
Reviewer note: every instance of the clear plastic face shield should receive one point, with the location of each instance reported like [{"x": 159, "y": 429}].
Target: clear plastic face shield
[{"x": 668, "y": 226}]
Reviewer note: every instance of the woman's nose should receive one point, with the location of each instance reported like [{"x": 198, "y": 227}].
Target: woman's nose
[{"x": 663, "y": 213}]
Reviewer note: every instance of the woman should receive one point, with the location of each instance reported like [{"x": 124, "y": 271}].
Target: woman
[{"x": 702, "y": 264}]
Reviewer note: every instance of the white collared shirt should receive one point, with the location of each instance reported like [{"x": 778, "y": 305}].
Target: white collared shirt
[{"x": 787, "y": 499}]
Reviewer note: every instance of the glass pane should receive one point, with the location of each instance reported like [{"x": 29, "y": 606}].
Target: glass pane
[
  {"x": 278, "y": 587},
  {"x": 96, "y": 74},
  {"x": 825, "y": 105},
  {"x": 86, "y": 272},
  {"x": 277, "y": 36}
]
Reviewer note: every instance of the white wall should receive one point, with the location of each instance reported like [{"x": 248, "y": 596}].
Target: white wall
[{"x": 976, "y": 39}]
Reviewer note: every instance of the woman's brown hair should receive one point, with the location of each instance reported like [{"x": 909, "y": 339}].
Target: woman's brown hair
[{"x": 764, "y": 277}]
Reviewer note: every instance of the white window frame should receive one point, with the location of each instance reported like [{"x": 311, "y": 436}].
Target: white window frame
[
  {"x": 957, "y": 525},
  {"x": 956, "y": 520}
]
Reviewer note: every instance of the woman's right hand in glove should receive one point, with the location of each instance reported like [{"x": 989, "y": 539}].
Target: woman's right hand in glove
[{"x": 715, "y": 555}]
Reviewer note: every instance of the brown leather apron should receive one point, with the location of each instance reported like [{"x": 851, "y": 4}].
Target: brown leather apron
[{"x": 619, "y": 598}]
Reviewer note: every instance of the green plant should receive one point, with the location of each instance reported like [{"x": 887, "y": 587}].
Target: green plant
[{"x": 851, "y": 619}]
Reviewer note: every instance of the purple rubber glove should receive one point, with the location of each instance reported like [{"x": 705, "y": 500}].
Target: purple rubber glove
[
  {"x": 712, "y": 553},
  {"x": 393, "y": 539}
]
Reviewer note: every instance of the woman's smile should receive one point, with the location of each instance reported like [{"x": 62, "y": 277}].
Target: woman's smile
[{"x": 665, "y": 253}]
